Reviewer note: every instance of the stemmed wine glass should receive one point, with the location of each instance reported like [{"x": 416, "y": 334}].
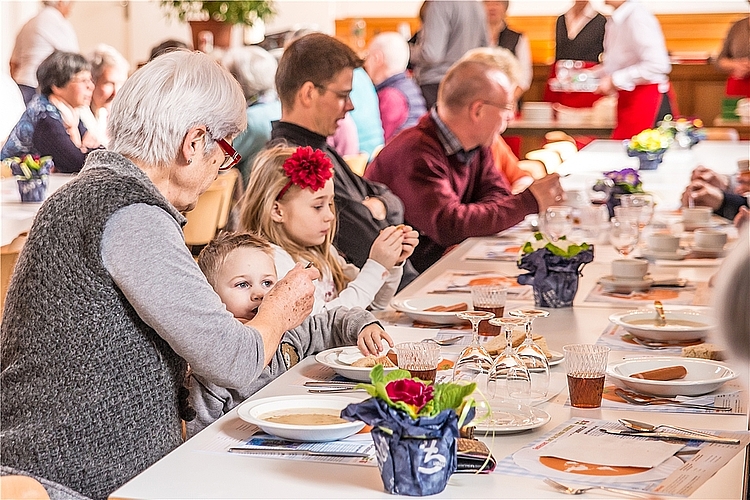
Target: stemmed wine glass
[
  {"x": 623, "y": 233},
  {"x": 474, "y": 359},
  {"x": 558, "y": 221},
  {"x": 508, "y": 375},
  {"x": 643, "y": 201},
  {"x": 533, "y": 355}
]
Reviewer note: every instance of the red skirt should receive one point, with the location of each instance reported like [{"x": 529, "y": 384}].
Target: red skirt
[{"x": 637, "y": 109}]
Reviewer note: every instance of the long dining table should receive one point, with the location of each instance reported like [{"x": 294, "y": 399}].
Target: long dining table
[{"x": 203, "y": 468}]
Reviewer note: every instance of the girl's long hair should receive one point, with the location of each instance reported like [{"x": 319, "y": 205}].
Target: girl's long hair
[{"x": 267, "y": 179}]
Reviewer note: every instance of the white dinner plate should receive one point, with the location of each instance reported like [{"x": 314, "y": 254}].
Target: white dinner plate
[
  {"x": 703, "y": 375},
  {"x": 557, "y": 358},
  {"x": 330, "y": 358},
  {"x": 415, "y": 308},
  {"x": 612, "y": 284},
  {"x": 507, "y": 417},
  {"x": 670, "y": 331},
  {"x": 255, "y": 412}
]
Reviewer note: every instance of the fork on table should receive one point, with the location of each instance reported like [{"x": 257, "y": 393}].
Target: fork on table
[{"x": 579, "y": 491}]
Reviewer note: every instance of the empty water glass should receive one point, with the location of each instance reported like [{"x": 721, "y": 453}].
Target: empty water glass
[
  {"x": 508, "y": 376},
  {"x": 558, "y": 221},
  {"x": 474, "y": 359},
  {"x": 532, "y": 355},
  {"x": 623, "y": 234}
]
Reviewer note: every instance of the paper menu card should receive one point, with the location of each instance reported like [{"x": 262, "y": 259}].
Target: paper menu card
[
  {"x": 696, "y": 295},
  {"x": 457, "y": 281},
  {"x": 611, "y": 451},
  {"x": 680, "y": 475},
  {"x": 494, "y": 249}
]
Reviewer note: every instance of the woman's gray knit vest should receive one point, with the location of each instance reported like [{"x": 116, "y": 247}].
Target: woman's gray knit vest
[{"x": 89, "y": 391}]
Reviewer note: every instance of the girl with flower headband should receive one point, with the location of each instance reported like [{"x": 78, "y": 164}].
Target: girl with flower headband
[{"x": 289, "y": 200}]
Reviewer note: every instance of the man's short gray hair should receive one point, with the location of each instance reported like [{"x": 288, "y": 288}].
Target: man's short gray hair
[
  {"x": 498, "y": 56},
  {"x": 105, "y": 56},
  {"x": 254, "y": 68},
  {"x": 395, "y": 51},
  {"x": 164, "y": 99}
]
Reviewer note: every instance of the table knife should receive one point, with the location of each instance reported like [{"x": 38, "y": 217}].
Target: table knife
[
  {"x": 284, "y": 451},
  {"x": 672, "y": 435}
]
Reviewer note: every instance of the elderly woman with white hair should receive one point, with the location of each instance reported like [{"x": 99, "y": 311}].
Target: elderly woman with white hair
[
  {"x": 109, "y": 70},
  {"x": 107, "y": 306},
  {"x": 255, "y": 69}
]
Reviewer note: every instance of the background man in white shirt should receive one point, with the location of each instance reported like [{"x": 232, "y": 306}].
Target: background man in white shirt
[{"x": 635, "y": 66}]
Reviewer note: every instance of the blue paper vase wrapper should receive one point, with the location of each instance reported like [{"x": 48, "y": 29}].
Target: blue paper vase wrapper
[
  {"x": 648, "y": 160},
  {"x": 32, "y": 190},
  {"x": 554, "y": 279},
  {"x": 415, "y": 457}
]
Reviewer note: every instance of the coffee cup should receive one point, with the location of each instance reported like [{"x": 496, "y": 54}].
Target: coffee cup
[
  {"x": 710, "y": 239},
  {"x": 696, "y": 216},
  {"x": 663, "y": 242},
  {"x": 629, "y": 269}
]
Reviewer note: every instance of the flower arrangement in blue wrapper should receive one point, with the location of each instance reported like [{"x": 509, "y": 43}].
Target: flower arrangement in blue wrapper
[
  {"x": 618, "y": 183},
  {"x": 649, "y": 147},
  {"x": 31, "y": 173},
  {"x": 686, "y": 132},
  {"x": 554, "y": 269},
  {"x": 415, "y": 427}
]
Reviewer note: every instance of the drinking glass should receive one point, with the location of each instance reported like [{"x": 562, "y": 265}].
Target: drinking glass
[
  {"x": 558, "y": 221},
  {"x": 645, "y": 202},
  {"x": 474, "y": 359},
  {"x": 508, "y": 374},
  {"x": 532, "y": 355},
  {"x": 623, "y": 234}
]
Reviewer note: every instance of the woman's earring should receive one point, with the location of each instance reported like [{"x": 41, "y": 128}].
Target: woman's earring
[{"x": 190, "y": 160}]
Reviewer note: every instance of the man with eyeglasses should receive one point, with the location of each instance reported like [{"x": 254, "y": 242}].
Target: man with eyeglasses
[
  {"x": 313, "y": 81},
  {"x": 444, "y": 171}
]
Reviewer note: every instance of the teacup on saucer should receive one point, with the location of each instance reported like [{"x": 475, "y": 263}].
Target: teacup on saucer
[
  {"x": 709, "y": 239},
  {"x": 629, "y": 269},
  {"x": 662, "y": 243},
  {"x": 620, "y": 285}
]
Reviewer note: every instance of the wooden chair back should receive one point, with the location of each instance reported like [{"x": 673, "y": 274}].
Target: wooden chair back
[
  {"x": 721, "y": 134},
  {"x": 550, "y": 158},
  {"x": 565, "y": 149},
  {"x": 211, "y": 213},
  {"x": 358, "y": 163},
  {"x": 8, "y": 257},
  {"x": 535, "y": 168}
]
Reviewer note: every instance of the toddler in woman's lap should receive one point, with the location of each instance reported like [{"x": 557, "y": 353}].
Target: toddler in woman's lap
[{"x": 240, "y": 268}]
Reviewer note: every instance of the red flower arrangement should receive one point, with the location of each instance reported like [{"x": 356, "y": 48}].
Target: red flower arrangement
[
  {"x": 307, "y": 168},
  {"x": 411, "y": 392}
]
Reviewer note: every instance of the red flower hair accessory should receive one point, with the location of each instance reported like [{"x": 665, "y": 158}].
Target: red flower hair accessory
[{"x": 307, "y": 168}]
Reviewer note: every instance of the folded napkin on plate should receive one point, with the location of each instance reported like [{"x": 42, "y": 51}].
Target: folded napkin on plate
[{"x": 611, "y": 450}]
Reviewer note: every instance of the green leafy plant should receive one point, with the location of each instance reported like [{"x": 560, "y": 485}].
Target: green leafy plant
[
  {"x": 232, "y": 12},
  {"x": 415, "y": 397},
  {"x": 563, "y": 247}
]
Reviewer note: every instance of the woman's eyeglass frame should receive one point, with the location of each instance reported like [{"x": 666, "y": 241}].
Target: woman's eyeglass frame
[{"x": 231, "y": 156}]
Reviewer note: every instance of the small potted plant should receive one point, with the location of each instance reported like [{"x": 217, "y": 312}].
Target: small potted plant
[
  {"x": 687, "y": 132},
  {"x": 617, "y": 183},
  {"x": 415, "y": 427},
  {"x": 219, "y": 16},
  {"x": 649, "y": 147},
  {"x": 31, "y": 173},
  {"x": 554, "y": 268}
]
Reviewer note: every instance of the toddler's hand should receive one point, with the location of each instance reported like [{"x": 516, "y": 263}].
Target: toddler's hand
[
  {"x": 371, "y": 338},
  {"x": 387, "y": 247},
  {"x": 411, "y": 240}
]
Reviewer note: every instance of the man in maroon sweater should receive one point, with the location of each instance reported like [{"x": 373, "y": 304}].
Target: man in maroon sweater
[{"x": 443, "y": 170}]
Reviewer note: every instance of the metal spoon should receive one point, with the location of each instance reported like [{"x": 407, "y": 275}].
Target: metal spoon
[
  {"x": 444, "y": 342},
  {"x": 661, "y": 320},
  {"x": 644, "y": 427}
]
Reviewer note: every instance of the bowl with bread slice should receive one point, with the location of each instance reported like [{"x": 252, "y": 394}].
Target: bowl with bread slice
[
  {"x": 435, "y": 309},
  {"x": 671, "y": 375}
]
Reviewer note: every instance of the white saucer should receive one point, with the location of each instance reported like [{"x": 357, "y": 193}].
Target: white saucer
[
  {"x": 708, "y": 252},
  {"x": 612, "y": 284},
  {"x": 680, "y": 254}
]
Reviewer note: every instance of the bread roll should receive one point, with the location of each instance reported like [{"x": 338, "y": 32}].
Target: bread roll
[{"x": 703, "y": 351}]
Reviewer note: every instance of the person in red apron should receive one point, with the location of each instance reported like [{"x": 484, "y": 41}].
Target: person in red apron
[
  {"x": 735, "y": 59},
  {"x": 579, "y": 36},
  {"x": 635, "y": 67}
]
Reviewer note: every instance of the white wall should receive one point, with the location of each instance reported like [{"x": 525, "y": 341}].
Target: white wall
[{"x": 134, "y": 26}]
